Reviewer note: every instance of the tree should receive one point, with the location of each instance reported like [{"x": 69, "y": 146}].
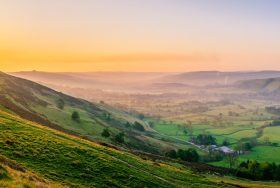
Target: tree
[
  {"x": 60, "y": 104},
  {"x": 172, "y": 154},
  {"x": 138, "y": 126},
  {"x": 189, "y": 155},
  {"x": 226, "y": 142},
  {"x": 76, "y": 116},
  {"x": 120, "y": 137},
  {"x": 106, "y": 133},
  {"x": 205, "y": 139},
  {"x": 232, "y": 159},
  {"x": 185, "y": 131}
]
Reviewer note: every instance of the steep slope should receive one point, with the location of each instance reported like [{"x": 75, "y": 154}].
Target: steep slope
[
  {"x": 43, "y": 105},
  {"x": 16, "y": 176},
  {"x": 74, "y": 162}
]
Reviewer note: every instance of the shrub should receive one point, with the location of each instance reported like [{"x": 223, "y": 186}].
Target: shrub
[
  {"x": 205, "y": 139},
  {"x": 76, "y": 116},
  {"x": 172, "y": 154},
  {"x": 106, "y": 133},
  {"x": 138, "y": 126},
  {"x": 120, "y": 137},
  {"x": 60, "y": 104},
  {"x": 189, "y": 155}
]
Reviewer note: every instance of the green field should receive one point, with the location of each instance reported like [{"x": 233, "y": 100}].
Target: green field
[
  {"x": 230, "y": 128},
  {"x": 272, "y": 133},
  {"x": 73, "y": 162}
]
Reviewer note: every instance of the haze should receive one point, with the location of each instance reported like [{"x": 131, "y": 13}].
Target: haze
[{"x": 140, "y": 35}]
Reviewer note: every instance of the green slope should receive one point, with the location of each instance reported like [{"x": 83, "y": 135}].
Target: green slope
[
  {"x": 74, "y": 162},
  {"x": 38, "y": 103},
  {"x": 15, "y": 176}
]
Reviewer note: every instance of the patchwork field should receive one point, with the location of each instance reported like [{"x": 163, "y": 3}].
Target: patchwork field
[{"x": 233, "y": 124}]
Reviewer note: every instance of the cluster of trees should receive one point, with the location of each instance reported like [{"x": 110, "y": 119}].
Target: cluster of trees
[
  {"x": 120, "y": 137},
  {"x": 246, "y": 145},
  {"x": 212, "y": 156},
  {"x": 189, "y": 155},
  {"x": 255, "y": 170},
  {"x": 136, "y": 125},
  {"x": 204, "y": 139}
]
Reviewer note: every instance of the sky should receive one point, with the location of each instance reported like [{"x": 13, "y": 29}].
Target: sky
[{"x": 139, "y": 35}]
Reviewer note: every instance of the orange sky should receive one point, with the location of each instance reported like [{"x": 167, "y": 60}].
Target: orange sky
[{"x": 144, "y": 35}]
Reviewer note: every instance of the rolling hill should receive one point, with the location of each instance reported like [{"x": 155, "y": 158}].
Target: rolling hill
[
  {"x": 41, "y": 104},
  {"x": 261, "y": 85},
  {"x": 32, "y": 155},
  {"x": 216, "y": 77},
  {"x": 41, "y": 146},
  {"x": 70, "y": 161}
]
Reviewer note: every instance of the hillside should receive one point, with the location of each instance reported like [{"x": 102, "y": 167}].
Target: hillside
[
  {"x": 216, "y": 77},
  {"x": 14, "y": 175},
  {"x": 32, "y": 155},
  {"x": 92, "y": 80},
  {"x": 41, "y": 146},
  {"x": 41, "y": 104},
  {"x": 73, "y": 162},
  {"x": 262, "y": 85}
]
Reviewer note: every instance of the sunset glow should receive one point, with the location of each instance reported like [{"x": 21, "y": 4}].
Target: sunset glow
[{"x": 123, "y": 35}]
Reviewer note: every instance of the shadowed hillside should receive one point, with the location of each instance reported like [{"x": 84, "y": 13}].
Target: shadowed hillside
[{"x": 48, "y": 107}]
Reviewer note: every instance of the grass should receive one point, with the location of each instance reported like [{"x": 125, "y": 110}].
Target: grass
[
  {"x": 74, "y": 162},
  {"x": 272, "y": 133},
  {"x": 259, "y": 153},
  {"x": 264, "y": 153},
  {"x": 13, "y": 177}
]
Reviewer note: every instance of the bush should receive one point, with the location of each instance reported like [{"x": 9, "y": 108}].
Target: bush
[
  {"x": 106, "y": 133},
  {"x": 205, "y": 139},
  {"x": 76, "y": 116},
  {"x": 172, "y": 154},
  {"x": 138, "y": 126},
  {"x": 60, "y": 104},
  {"x": 120, "y": 137},
  {"x": 259, "y": 170},
  {"x": 189, "y": 155},
  {"x": 226, "y": 142}
]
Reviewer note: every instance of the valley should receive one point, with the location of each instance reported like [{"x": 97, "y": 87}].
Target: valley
[{"x": 43, "y": 127}]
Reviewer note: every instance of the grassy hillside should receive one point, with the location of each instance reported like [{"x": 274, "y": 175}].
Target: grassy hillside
[
  {"x": 73, "y": 162},
  {"x": 42, "y": 105},
  {"x": 16, "y": 176}
]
